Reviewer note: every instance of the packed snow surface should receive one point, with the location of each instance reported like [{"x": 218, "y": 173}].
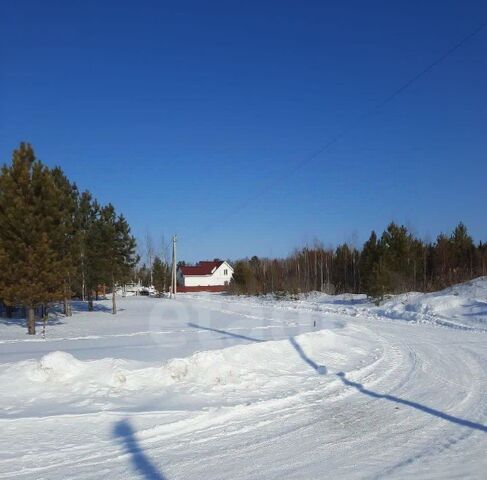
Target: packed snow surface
[{"x": 218, "y": 387}]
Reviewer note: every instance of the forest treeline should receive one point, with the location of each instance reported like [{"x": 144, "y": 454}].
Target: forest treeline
[
  {"x": 55, "y": 241},
  {"x": 395, "y": 262}
]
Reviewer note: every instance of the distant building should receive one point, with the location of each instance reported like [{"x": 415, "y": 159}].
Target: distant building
[{"x": 204, "y": 277}]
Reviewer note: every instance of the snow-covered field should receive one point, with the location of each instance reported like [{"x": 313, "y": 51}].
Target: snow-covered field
[{"x": 219, "y": 387}]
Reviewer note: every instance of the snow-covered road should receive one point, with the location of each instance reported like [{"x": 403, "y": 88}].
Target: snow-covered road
[{"x": 219, "y": 387}]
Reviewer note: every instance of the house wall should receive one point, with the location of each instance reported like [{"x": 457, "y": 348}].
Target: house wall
[{"x": 217, "y": 278}]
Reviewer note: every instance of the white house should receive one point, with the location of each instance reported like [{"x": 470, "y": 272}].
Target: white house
[{"x": 204, "y": 276}]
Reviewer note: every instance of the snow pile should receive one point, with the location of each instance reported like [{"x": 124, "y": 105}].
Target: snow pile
[
  {"x": 63, "y": 368},
  {"x": 113, "y": 401},
  {"x": 55, "y": 366},
  {"x": 461, "y": 306},
  {"x": 242, "y": 373}
]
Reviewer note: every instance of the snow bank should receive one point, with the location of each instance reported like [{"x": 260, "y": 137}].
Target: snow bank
[
  {"x": 460, "y": 306},
  {"x": 55, "y": 366},
  {"x": 243, "y": 373},
  {"x": 60, "y": 382}
]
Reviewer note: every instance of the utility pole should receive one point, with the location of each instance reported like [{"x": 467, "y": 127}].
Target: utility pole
[{"x": 173, "y": 279}]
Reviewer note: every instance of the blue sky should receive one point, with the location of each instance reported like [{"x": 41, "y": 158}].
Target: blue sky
[{"x": 190, "y": 117}]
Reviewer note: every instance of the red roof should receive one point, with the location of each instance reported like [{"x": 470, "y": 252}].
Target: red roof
[{"x": 201, "y": 268}]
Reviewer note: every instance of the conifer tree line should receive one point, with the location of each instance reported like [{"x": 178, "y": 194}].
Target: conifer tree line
[
  {"x": 157, "y": 275},
  {"x": 55, "y": 241},
  {"x": 395, "y": 262}
]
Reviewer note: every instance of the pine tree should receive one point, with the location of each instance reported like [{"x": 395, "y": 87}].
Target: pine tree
[
  {"x": 85, "y": 214},
  {"x": 243, "y": 280},
  {"x": 31, "y": 267},
  {"x": 393, "y": 264},
  {"x": 462, "y": 251},
  {"x": 160, "y": 275},
  {"x": 398, "y": 257},
  {"x": 117, "y": 247},
  {"x": 442, "y": 261},
  {"x": 380, "y": 281},
  {"x": 368, "y": 259},
  {"x": 63, "y": 205}
]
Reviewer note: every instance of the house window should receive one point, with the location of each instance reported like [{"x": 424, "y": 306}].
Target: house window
[{"x": 225, "y": 272}]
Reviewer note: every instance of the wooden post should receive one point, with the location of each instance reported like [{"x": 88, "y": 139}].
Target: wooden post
[{"x": 173, "y": 276}]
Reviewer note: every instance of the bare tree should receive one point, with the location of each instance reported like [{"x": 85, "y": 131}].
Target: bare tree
[{"x": 150, "y": 253}]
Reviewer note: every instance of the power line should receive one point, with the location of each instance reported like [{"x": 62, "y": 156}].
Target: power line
[{"x": 356, "y": 123}]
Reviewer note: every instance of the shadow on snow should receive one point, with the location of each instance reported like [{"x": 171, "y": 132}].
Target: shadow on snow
[
  {"x": 359, "y": 387},
  {"x": 55, "y": 315},
  {"x": 224, "y": 332},
  {"x": 124, "y": 433},
  {"x": 80, "y": 306},
  {"x": 18, "y": 319},
  {"x": 321, "y": 370},
  {"x": 409, "y": 403}
]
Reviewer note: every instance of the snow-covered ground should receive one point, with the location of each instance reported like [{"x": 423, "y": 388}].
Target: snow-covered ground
[{"x": 219, "y": 387}]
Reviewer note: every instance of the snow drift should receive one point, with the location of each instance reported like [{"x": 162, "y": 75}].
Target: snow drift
[
  {"x": 242, "y": 373},
  {"x": 395, "y": 398},
  {"x": 460, "y": 306}
]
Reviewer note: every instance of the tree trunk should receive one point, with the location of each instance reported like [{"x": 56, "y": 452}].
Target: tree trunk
[
  {"x": 90, "y": 303},
  {"x": 31, "y": 321},
  {"x": 83, "y": 282},
  {"x": 45, "y": 316},
  {"x": 424, "y": 270},
  {"x": 89, "y": 294},
  {"x": 114, "y": 302},
  {"x": 69, "y": 295},
  {"x": 9, "y": 311}
]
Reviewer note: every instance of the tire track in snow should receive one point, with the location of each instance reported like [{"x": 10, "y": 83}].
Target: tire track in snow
[{"x": 409, "y": 363}]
